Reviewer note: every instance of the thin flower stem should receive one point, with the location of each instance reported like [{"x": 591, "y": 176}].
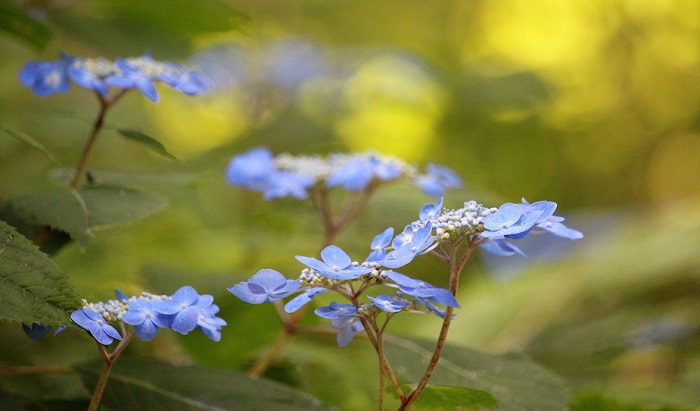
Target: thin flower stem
[
  {"x": 108, "y": 361},
  {"x": 456, "y": 266},
  {"x": 105, "y": 104}
]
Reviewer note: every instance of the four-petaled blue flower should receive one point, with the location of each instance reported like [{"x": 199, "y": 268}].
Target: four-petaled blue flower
[
  {"x": 181, "y": 312},
  {"x": 146, "y": 321},
  {"x": 96, "y": 325},
  {"x": 335, "y": 310},
  {"x": 347, "y": 327},
  {"x": 46, "y": 78},
  {"x": 209, "y": 323},
  {"x": 379, "y": 244},
  {"x": 266, "y": 285},
  {"x": 422, "y": 289},
  {"x": 404, "y": 254},
  {"x": 430, "y": 211},
  {"x": 388, "y": 304},
  {"x": 336, "y": 265}
]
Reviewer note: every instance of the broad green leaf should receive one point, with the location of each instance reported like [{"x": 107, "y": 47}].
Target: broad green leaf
[
  {"x": 30, "y": 141},
  {"x": 449, "y": 398},
  {"x": 148, "y": 141},
  {"x": 143, "y": 384},
  {"x": 32, "y": 288},
  {"x": 17, "y": 21},
  {"x": 516, "y": 382},
  {"x": 81, "y": 212}
]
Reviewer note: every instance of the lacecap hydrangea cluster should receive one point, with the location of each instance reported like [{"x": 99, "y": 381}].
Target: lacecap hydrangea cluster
[
  {"x": 336, "y": 271},
  {"x": 99, "y": 74},
  {"x": 288, "y": 175},
  {"x": 183, "y": 312}
]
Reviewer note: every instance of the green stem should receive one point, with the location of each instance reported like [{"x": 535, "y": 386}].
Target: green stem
[
  {"x": 105, "y": 104},
  {"x": 456, "y": 266},
  {"x": 108, "y": 361}
]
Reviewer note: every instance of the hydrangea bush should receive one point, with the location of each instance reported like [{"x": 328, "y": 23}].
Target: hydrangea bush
[{"x": 367, "y": 291}]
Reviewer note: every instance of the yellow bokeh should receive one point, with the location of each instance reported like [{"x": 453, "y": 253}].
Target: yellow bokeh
[
  {"x": 194, "y": 125},
  {"x": 393, "y": 107}
]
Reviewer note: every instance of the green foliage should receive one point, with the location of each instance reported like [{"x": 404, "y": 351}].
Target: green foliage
[
  {"x": 18, "y": 23},
  {"x": 594, "y": 401},
  {"x": 146, "y": 384},
  {"x": 32, "y": 288},
  {"x": 448, "y": 398},
  {"x": 148, "y": 141},
  {"x": 29, "y": 141},
  {"x": 516, "y": 382},
  {"x": 80, "y": 212}
]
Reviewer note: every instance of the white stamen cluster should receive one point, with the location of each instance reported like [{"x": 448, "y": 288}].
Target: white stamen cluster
[
  {"x": 114, "y": 310},
  {"x": 100, "y": 66},
  {"x": 310, "y": 278},
  {"x": 455, "y": 225},
  {"x": 320, "y": 168}
]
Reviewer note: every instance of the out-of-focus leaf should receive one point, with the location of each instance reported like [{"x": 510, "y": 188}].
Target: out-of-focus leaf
[
  {"x": 17, "y": 21},
  {"x": 516, "y": 382},
  {"x": 132, "y": 27},
  {"x": 32, "y": 288},
  {"x": 130, "y": 180},
  {"x": 80, "y": 212},
  {"x": 148, "y": 385},
  {"x": 29, "y": 141},
  {"x": 450, "y": 398},
  {"x": 148, "y": 141}
]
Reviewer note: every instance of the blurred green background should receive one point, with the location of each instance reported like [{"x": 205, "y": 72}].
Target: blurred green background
[{"x": 592, "y": 104}]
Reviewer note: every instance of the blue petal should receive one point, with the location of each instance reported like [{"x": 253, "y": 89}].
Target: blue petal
[
  {"x": 302, "y": 299},
  {"x": 335, "y": 257}
]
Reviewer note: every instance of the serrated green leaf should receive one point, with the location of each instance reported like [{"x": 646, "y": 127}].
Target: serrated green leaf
[
  {"x": 144, "y": 384},
  {"x": 516, "y": 382},
  {"x": 451, "y": 398},
  {"x": 17, "y": 21},
  {"x": 32, "y": 288},
  {"x": 29, "y": 141},
  {"x": 79, "y": 213},
  {"x": 148, "y": 141}
]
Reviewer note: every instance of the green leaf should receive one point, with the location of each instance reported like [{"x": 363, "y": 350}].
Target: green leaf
[
  {"x": 131, "y": 180},
  {"x": 32, "y": 288},
  {"x": 516, "y": 382},
  {"x": 17, "y": 21},
  {"x": 449, "y": 398},
  {"x": 81, "y": 212},
  {"x": 148, "y": 141},
  {"x": 144, "y": 384},
  {"x": 30, "y": 141}
]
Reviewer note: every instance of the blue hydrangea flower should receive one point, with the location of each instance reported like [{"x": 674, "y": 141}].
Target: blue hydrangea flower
[
  {"x": 266, "y": 285},
  {"x": 404, "y": 254},
  {"x": 336, "y": 264},
  {"x": 146, "y": 321},
  {"x": 417, "y": 288},
  {"x": 437, "y": 180},
  {"x": 511, "y": 221},
  {"x": 355, "y": 175},
  {"x": 431, "y": 307},
  {"x": 96, "y": 325},
  {"x": 335, "y": 310},
  {"x": 251, "y": 169},
  {"x": 347, "y": 327},
  {"x": 46, "y": 78},
  {"x": 379, "y": 244},
  {"x": 302, "y": 299},
  {"x": 282, "y": 184},
  {"x": 129, "y": 77},
  {"x": 209, "y": 323},
  {"x": 388, "y": 304},
  {"x": 181, "y": 312},
  {"x": 430, "y": 211}
]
